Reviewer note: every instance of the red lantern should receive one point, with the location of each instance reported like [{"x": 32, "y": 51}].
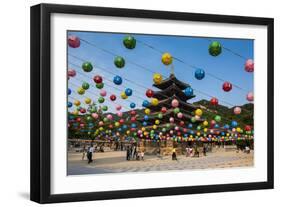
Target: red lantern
[
  {"x": 164, "y": 110},
  {"x": 133, "y": 119},
  {"x": 82, "y": 110},
  {"x": 112, "y": 97},
  {"x": 73, "y": 41},
  {"x": 227, "y": 86},
  {"x": 97, "y": 79},
  {"x": 181, "y": 123},
  {"x": 149, "y": 93},
  {"x": 78, "y": 119},
  {"x": 133, "y": 113},
  {"x": 121, "y": 121},
  {"x": 214, "y": 101},
  {"x": 248, "y": 128}
]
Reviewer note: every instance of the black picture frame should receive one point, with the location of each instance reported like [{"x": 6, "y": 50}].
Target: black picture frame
[{"x": 41, "y": 96}]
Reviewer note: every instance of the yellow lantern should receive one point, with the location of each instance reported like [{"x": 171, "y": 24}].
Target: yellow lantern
[
  {"x": 76, "y": 112},
  {"x": 88, "y": 100},
  {"x": 205, "y": 123},
  {"x": 157, "y": 122},
  {"x": 128, "y": 131},
  {"x": 80, "y": 91},
  {"x": 238, "y": 129},
  {"x": 167, "y": 58},
  {"x": 154, "y": 101},
  {"x": 147, "y": 111},
  {"x": 101, "y": 128},
  {"x": 198, "y": 112},
  {"x": 117, "y": 124},
  {"x": 154, "y": 127},
  {"x": 143, "y": 129},
  {"x": 198, "y": 133},
  {"x": 123, "y": 95},
  {"x": 77, "y": 103},
  {"x": 205, "y": 129},
  {"x": 157, "y": 78}
]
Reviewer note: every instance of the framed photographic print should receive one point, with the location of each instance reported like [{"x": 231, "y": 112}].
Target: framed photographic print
[{"x": 132, "y": 103}]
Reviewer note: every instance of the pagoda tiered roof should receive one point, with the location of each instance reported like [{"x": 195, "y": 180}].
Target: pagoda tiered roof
[
  {"x": 170, "y": 91},
  {"x": 170, "y": 81}
]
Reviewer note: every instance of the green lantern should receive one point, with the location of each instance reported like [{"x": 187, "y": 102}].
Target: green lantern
[
  {"x": 93, "y": 109},
  {"x": 217, "y": 118},
  {"x": 104, "y": 108},
  {"x": 87, "y": 66},
  {"x": 85, "y": 85},
  {"x": 193, "y": 119},
  {"x": 100, "y": 85},
  {"x": 129, "y": 42},
  {"x": 119, "y": 62},
  {"x": 101, "y": 100},
  {"x": 89, "y": 118},
  {"x": 176, "y": 110},
  {"x": 215, "y": 48},
  {"x": 160, "y": 115}
]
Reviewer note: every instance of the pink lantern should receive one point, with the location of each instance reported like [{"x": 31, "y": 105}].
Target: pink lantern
[
  {"x": 118, "y": 107},
  {"x": 103, "y": 92},
  {"x": 250, "y": 96},
  {"x": 109, "y": 116},
  {"x": 249, "y": 65},
  {"x": 95, "y": 115},
  {"x": 73, "y": 41},
  {"x": 139, "y": 132},
  {"x": 175, "y": 103},
  {"x": 177, "y": 128},
  {"x": 101, "y": 123},
  {"x": 180, "y": 115},
  {"x": 71, "y": 73},
  {"x": 237, "y": 110},
  {"x": 171, "y": 132},
  {"x": 172, "y": 120},
  {"x": 119, "y": 113}
]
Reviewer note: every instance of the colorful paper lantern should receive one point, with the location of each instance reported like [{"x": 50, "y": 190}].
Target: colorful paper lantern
[
  {"x": 129, "y": 42},
  {"x": 119, "y": 62},
  {"x": 167, "y": 59},
  {"x": 199, "y": 74},
  {"x": 215, "y": 48},
  {"x": 87, "y": 66},
  {"x": 249, "y": 65},
  {"x": 227, "y": 86},
  {"x": 73, "y": 41}
]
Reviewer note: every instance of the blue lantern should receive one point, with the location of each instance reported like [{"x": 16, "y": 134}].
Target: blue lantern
[
  {"x": 144, "y": 123},
  {"x": 199, "y": 74},
  {"x": 145, "y": 117},
  {"x": 234, "y": 124},
  {"x": 69, "y": 104},
  {"x": 190, "y": 126},
  {"x": 132, "y": 105},
  {"x": 188, "y": 91},
  {"x": 128, "y": 91},
  {"x": 117, "y": 80},
  {"x": 145, "y": 103},
  {"x": 68, "y": 91}
]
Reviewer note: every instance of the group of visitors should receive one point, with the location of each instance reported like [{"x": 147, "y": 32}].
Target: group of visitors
[
  {"x": 194, "y": 152},
  {"x": 133, "y": 153}
]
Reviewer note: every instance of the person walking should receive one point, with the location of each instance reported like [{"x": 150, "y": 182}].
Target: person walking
[
  {"x": 83, "y": 152},
  {"x": 128, "y": 153},
  {"x": 204, "y": 150},
  {"x": 90, "y": 154},
  {"x": 174, "y": 155}
]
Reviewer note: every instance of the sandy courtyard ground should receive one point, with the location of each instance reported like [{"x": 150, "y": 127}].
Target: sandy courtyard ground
[{"x": 115, "y": 162}]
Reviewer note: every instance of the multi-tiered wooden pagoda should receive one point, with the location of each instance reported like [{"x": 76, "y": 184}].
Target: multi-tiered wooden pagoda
[{"x": 170, "y": 89}]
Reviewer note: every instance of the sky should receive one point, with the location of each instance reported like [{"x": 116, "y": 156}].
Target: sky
[{"x": 192, "y": 50}]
